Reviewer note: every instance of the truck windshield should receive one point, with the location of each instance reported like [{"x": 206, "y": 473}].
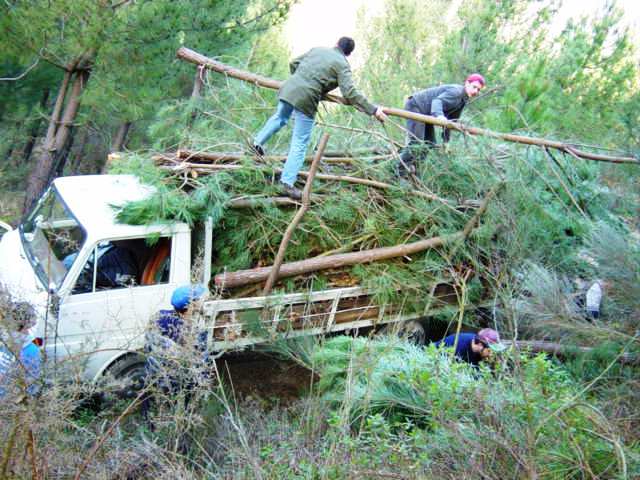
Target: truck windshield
[{"x": 52, "y": 238}]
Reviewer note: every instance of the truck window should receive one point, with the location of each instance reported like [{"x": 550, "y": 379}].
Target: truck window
[
  {"x": 125, "y": 263},
  {"x": 50, "y": 235}
]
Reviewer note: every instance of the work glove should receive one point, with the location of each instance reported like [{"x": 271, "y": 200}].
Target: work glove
[{"x": 380, "y": 115}]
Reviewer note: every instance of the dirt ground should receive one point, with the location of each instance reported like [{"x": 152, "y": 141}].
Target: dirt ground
[{"x": 265, "y": 377}]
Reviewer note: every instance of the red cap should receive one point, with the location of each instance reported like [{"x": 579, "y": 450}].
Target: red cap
[
  {"x": 476, "y": 77},
  {"x": 489, "y": 336}
]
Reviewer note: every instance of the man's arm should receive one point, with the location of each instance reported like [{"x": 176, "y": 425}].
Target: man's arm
[
  {"x": 449, "y": 99},
  {"x": 351, "y": 93}
]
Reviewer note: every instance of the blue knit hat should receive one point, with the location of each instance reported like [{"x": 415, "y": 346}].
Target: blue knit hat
[{"x": 184, "y": 295}]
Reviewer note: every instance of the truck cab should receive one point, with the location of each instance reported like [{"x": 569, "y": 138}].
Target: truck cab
[{"x": 94, "y": 283}]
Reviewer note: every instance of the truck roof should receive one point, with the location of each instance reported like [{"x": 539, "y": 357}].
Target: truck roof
[{"x": 91, "y": 199}]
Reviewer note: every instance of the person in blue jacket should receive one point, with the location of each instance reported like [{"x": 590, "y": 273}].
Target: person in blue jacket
[
  {"x": 20, "y": 362},
  {"x": 474, "y": 347},
  {"x": 164, "y": 339}
]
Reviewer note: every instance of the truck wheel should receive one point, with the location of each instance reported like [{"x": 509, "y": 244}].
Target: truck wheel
[
  {"x": 124, "y": 379},
  {"x": 410, "y": 330}
]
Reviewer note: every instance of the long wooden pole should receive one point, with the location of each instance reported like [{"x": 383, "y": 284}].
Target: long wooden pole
[
  {"x": 306, "y": 200},
  {"x": 265, "y": 82},
  {"x": 246, "y": 277}
]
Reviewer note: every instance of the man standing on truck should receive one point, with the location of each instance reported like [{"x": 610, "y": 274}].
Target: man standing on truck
[
  {"x": 445, "y": 102},
  {"x": 474, "y": 347},
  {"x": 313, "y": 75}
]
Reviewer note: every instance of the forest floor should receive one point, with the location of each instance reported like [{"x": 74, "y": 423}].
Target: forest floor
[{"x": 265, "y": 378}]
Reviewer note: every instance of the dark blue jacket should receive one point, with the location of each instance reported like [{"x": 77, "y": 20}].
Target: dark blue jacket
[
  {"x": 463, "y": 349},
  {"x": 170, "y": 325}
]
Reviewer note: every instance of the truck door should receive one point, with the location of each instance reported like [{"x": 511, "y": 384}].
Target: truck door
[{"x": 121, "y": 286}]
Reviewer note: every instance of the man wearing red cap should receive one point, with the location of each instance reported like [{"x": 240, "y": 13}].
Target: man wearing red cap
[
  {"x": 445, "y": 102},
  {"x": 474, "y": 347}
]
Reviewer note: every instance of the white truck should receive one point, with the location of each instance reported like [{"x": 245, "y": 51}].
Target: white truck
[{"x": 96, "y": 283}]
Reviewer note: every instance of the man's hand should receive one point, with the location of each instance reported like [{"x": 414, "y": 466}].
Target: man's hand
[
  {"x": 443, "y": 118},
  {"x": 380, "y": 115}
]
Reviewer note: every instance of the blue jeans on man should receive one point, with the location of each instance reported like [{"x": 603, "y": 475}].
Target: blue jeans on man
[{"x": 302, "y": 127}]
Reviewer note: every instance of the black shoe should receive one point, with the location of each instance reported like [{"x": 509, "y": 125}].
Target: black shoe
[
  {"x": 291, "y": 191},
  {"x": 402, "y": 172},
  {"x": 257, "y": 150}
]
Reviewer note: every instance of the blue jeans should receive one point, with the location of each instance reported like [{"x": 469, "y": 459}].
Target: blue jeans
[{"x": 302, "y": 127}]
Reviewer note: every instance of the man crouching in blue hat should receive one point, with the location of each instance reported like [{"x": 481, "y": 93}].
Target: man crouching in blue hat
[
  {"x": 170, "y": 322},
  {"x": 168, "y": 364}
]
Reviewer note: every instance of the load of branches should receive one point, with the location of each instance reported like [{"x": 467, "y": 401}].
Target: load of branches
[{"x": 472, "y": 215}]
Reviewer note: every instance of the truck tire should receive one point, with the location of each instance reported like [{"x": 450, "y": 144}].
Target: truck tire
[
  {"x": 410, "y": 330},
  {"x": 124, "y": 378}
]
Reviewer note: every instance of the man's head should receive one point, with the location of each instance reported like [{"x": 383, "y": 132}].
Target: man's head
[
  {"x": 486, "y": 341},
  {"x": 19, "y": 316},
  {"x": 473, "y": 84},
  {"x": 183, "y": 296},
  {"x": 346, "y": 44}
]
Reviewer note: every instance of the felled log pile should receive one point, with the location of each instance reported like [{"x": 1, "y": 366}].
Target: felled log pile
[{"x": 197, "y": 164}]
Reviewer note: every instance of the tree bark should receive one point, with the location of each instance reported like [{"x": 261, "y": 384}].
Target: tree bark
[
  {"x": 120, "y": 139},
  {"x": 306, "y": 200},
  {"x": 57, "y": 136},
  {"x": 40, "y": 174},
  {"x": 245, "y": 277},
  {"x": 35, "y": 129},
  {"x": 260, "y": 81},
  {"x": 79, "y": 153}
]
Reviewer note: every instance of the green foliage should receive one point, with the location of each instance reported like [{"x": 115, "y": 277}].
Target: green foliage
[
  {"x": 457, "y": 409},
  {"x": 617, "y": 256}
]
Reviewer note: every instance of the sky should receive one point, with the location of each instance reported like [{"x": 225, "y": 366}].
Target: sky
[{"x": 321, "y": 22}]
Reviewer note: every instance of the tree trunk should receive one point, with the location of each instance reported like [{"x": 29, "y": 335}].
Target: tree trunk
[
  {"x": 35, "y": 129},
  {"x": 57, "y": 136},
  {"x": 79, "y": 154},
  {"x": 120, "y": 139},
  {"x": 260, "y": 81},
  {"x": 62, "y": 155}
]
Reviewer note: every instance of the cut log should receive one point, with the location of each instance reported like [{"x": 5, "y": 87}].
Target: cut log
[
  {"x": 260, "y": 81},
  {"x": 227, "y": 157},
  {"x": 216, "y": 157},
  {"x": 246, "y": 277},
  {"x": 562, "y": 350}
]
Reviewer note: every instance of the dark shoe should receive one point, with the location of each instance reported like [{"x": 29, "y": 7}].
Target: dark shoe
[
  {"x": 257, "y": 150},
  {"x": 404, "y": 172},
  {"x": 291, "y": 191}
]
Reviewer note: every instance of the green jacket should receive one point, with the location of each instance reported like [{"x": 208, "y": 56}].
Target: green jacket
[{"x": 315, "y": 74}]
